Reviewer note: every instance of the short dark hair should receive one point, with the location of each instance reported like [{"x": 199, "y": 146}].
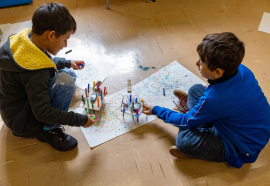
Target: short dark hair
[
  {"x": 224, "y": 51},
  {"x": 54, "y": 17}
]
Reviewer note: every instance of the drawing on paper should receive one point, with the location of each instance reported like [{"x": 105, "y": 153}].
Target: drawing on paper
[
  {"x": 94, "y": 69},
  {"x": 173, "y": 76},
  {"x": 111, "y": 123}
]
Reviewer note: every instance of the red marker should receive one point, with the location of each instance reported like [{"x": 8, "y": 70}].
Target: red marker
[
  {"x": 80, "y": 64},
  {"x": 105, "y": 92}
]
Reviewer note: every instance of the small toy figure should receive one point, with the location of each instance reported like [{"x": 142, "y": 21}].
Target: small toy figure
[{"x": 94, "y": 96}]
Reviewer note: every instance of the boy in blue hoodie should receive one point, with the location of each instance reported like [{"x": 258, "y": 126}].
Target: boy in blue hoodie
[{"x": 230, "y": 119}]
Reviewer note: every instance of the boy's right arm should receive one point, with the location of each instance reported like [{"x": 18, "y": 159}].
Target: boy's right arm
[
  {"x": 89, "y": 123},
  {"x": 36, "y": 85},
  {"x": 200, "y": 114}
]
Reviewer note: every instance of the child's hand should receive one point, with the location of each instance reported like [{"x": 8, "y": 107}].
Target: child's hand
[
  {"x": 99, "y": 83},
  {"x": 147, "y": 110},
  {"x": 90, "y": 122},
  {"x": 75, "y": 63}
]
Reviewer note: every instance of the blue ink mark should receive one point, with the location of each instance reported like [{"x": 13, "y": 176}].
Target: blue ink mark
[
  {"x": 185, "y": 75},
  {"x": 140, "y": 66},
  {"x": 146, "y": 68}
]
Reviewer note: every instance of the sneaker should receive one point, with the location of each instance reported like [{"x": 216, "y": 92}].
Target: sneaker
[
  {"x": 23, "y": 135},
  {"x": 58, "y": 139},
  {"x": 182, "y": 96},
  {"x": 174, "y": 152}
]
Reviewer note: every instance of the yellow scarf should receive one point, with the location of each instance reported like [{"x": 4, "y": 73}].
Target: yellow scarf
[{"x": 27, "y": 54}]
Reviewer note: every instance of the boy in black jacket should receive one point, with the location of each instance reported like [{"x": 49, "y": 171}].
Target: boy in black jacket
[{"x": 36, "y": 90}]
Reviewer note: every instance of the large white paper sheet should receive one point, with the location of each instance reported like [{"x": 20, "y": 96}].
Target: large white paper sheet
[
  {"x": 265, "y": 23},
  {"x": 111, "y": 122},
  {"x": 173, "y": 76},
  {"x": 10, "y": 29},
  {"x": 17, "y": 27},
  {"x": 4, "y": 28},
  {"x": 94, "y": 70}
]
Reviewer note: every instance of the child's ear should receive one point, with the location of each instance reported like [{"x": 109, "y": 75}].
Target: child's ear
[
  {"x": 219, "y": 73},
  {"x": 51, "y": 35}
]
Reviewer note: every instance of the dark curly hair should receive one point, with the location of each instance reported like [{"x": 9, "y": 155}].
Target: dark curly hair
[
  {"x": 53, "y": 17},
  {"x": 224, "y": 51}
]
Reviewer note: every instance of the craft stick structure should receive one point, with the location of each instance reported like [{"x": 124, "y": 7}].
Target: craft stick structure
[
  {"x": 95, "y": 96},
  {"x": 132, "y": 105}
]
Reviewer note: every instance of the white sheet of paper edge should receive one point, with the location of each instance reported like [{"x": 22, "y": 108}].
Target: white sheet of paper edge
[
  {"x": 94, "y": 141},
  {"x": 265, "y": 23},
  {"x": 9, "y": 29},
  {"x": 95, "y": 69}
]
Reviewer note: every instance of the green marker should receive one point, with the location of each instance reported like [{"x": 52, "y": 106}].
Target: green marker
[
  {"x": 92, "y": 106},
  {"x": 88, "y": 105},
  {"x": 94, "y": 118},
  {"x": 131, "y": 111}
]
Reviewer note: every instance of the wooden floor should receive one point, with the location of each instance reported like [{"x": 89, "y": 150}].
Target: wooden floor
[{"x": 151, "y": 34}]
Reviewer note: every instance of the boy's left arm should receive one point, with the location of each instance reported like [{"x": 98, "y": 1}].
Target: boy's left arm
[
  {"x": 61, "y": 63},
  {"x": 200, "y": 114}
]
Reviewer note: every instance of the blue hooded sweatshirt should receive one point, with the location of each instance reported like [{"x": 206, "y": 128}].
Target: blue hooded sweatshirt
[{"x": 238, "y": 110}]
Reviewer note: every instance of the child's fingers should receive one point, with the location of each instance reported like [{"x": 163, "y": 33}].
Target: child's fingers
[
  {"x": 145, "y": 112},
  {"x": 145, "y": 106},
  {"x": 99, "y": 82},
  {"x": 79, "y": 61}
]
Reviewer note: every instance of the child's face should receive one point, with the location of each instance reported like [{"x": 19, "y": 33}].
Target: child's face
[
  {"x": 58, "y": 43},
  {"x": 205, "y": 71}
]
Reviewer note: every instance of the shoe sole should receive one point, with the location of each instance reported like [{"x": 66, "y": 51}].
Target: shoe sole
[{"x": 22, "y": 136}]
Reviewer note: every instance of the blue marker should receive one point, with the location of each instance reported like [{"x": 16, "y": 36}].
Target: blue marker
[
  {"x": 163, "y": 91},
  {"x": 101, "y": 94},
  {"x": 88, "y": 87},
  {"x": 136, "y": 100},
  {"x": 130, "y": 98}
]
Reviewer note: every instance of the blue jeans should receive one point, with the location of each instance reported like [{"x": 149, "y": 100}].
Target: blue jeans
[
  {"x": 202, "y": 142},
  {"x": 62, "y": 88}
]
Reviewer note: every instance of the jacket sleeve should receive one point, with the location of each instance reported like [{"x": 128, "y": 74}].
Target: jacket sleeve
[
  {"x": 36, "y": 85},
  {"x": 61, "y": 63},
  {"x": 202, "y": 113}
]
